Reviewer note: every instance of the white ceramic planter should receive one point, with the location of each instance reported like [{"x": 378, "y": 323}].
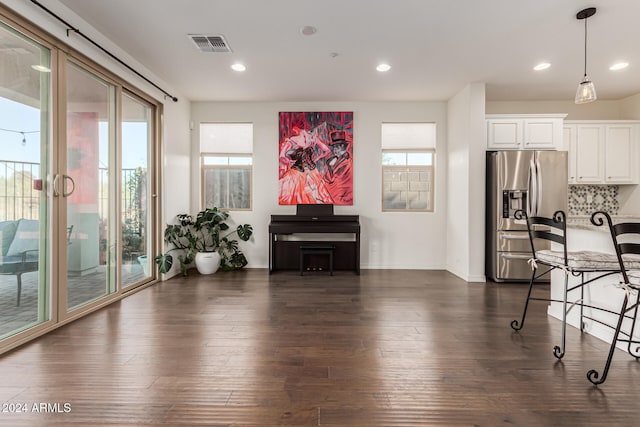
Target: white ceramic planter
[
  {"x": 144, "y": 262},
  {"x": 207, "y": 262}
]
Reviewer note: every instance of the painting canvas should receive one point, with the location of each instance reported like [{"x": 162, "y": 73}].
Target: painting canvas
[{"x": 315, "y": 158}]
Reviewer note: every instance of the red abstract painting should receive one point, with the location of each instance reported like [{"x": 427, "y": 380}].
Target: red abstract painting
[{"x": 315, "y": 158}]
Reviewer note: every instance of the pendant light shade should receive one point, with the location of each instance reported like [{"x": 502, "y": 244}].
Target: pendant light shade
[{"x": 586, "y": 90}]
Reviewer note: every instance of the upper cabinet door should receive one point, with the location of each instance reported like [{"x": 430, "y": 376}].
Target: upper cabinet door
[
  {"x": 542, "y": 133},
  {"x": 504, "y": 134},
  {"x": 620, "y": 151},
  {"x": 589, "y": 152},
  {"x": 569, "y": 144}
]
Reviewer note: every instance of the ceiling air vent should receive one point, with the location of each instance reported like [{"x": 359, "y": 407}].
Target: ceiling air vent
[{"x": 210, "y": 43}]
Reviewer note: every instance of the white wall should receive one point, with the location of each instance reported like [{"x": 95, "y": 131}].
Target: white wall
[
  {"x": 599, "y": 110},
  {"x": 477, "y": 184},
  {"x": 630, "y": 108},
  {"x": 466, "y": 183},
  {"x": 175, "y": 125},
  {"x": 629, "y": 195},
  {"x": 388, "y": 240},
  {"x": 176, "y": 165}
]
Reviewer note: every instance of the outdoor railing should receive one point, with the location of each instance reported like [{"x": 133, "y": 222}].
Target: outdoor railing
[
  {"x": 21, "y": 189},
  {"x": 18, "y": 197}
]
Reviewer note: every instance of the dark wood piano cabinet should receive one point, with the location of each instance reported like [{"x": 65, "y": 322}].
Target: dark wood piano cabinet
[{"x": 311, "y": 220}]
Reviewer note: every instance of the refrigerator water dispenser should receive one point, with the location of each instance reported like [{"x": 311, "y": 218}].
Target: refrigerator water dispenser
[{"x": 513, "y": 200}]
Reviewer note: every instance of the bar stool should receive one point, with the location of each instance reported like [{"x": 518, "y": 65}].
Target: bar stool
[
  {"x": 317, "y": 250},
  {"x": 543, "y": 231},
  {"x": 626, "y": 241}
]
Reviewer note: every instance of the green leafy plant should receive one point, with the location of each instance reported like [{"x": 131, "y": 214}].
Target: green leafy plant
[{"x": 204, "y": 233}]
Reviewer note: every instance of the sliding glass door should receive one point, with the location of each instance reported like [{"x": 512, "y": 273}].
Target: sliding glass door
[
  {"x": 25, "y": 162},
  {"x": 88, "y": 186},
  {"x": 77, "y": 180},
  {"x": 135, "y": 189}
]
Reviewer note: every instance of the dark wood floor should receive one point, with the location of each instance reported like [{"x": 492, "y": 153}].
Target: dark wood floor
[{"x": 387, "y": 348}]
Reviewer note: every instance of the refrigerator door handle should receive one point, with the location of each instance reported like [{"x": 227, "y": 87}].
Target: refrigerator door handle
[
  {"x": 520, "y": 236},
  {"x": 538, "y": 187},
  {"x": 516, "y": 256},
  {"x": 529, "y": 201},
  {"x": 531, "y": 190}
]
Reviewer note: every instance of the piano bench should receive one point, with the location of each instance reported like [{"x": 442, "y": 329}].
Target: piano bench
[{"x": 317, "y": 250}]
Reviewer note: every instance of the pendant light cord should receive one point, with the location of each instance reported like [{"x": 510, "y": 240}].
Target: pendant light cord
[{"x": 585, "y": 46}]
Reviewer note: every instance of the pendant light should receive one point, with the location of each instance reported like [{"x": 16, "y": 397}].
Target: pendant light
[{"x": 586, "y": 90}]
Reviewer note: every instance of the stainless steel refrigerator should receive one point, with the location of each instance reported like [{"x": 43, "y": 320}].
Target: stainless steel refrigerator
[{"x": 535, "y": 181}]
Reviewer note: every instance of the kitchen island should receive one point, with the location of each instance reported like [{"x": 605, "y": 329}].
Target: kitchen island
[{"x": 603, "y": 293}]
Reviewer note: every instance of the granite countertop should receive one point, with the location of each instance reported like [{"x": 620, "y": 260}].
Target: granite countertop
[{"x": 584, "y": 221}]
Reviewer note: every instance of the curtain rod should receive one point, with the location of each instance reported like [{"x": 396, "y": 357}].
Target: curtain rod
[{"x": 77, "y": 31}]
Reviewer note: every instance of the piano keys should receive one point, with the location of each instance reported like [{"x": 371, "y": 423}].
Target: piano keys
[{"x": 313, "y": 225}]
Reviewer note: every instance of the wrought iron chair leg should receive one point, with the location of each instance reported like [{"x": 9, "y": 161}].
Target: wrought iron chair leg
[
  {"x": 558, "y": 352},
  {"x": 581, "y": 302},
  {"x": 593, "y": 375},
  {"x": 635, "y": 353},
  {"x": 515, "y": 325}
]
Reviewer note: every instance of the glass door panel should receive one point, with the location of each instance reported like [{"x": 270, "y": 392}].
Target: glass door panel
[
  {"x": 88, "y": 187},
  {"x": 25, "y": 208},
  {"x": 135, "y": 207}
]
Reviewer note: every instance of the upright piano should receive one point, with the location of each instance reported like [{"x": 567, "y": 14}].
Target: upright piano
[{"x": 314, "y": 224}]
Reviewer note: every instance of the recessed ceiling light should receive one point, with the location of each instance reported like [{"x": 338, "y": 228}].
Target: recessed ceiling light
[
  {"x": 238, "y": 67},
  {"x": 619, "y": 66},
  {"x": 383, "y": 67},
  {"x": 308, "y": 30},
  {"x": 41, "y": 68},
  {"x": 542, "y": 66}
]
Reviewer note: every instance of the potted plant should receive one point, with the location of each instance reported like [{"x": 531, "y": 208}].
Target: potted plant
[{"x": 204, "y": 234}]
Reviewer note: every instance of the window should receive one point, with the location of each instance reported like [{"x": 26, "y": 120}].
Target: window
[
  {"x": 408, "y": 158},
  {"x": 226, "y": 159}
]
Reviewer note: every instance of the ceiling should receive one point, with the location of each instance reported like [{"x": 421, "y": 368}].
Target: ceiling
[{"x": 435, "y": 47}]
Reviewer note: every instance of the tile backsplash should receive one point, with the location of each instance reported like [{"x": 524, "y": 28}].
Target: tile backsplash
[{"x": 585, "y": 199}]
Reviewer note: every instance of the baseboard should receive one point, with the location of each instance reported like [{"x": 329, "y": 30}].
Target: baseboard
[{"x": 467, "y": 277}]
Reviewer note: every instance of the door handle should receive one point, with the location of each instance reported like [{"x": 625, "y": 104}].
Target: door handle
[
  {"x": 66, "y": 193},
  {"x": 532, "y": 190},
  {"x": 54, "y": 184},
  {"x": 515, "y": 236},
  {"x": 516, "y": 256},
  {"x": 539, "y": 188}
]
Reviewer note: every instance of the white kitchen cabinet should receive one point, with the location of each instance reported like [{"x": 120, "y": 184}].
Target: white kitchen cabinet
[
  {"x": 504, "y": 134},
  {"x": 523, "y": 132},
  {"x": 620, "y": 163},
  {"x": 602, "y": 152},
  {"x": 569, "y": 145},
  {"x": 589, "y": 154}
]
